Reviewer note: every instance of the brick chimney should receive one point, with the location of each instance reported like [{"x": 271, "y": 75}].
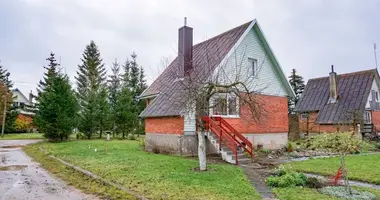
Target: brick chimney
[
  {"x": 333, "y": 86},
  {"x": 185, "y": 50}
]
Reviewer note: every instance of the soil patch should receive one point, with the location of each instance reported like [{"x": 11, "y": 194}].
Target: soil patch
[{"x": 13, "y": 167}]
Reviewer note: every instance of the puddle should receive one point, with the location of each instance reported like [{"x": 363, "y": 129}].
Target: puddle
[
  {"x": 11, "y": 147},
  {"x": 13, "y": 167}
]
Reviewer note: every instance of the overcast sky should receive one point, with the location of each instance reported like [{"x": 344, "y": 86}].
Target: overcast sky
[{"x": 306, "y": 35}]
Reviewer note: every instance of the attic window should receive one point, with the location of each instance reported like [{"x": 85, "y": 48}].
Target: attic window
[{"x": 253, "y": 65}]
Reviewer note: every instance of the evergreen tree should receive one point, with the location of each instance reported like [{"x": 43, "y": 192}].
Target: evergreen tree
[
  {"x": 104, "y": 109},
  {"x": 4, "y": 77},
  {"x": 114, "y": 87},
  {"x": 91, "y": 77},
  {"x": 125, "y": 112},
  {"x": 134, "y": 75},
  {"x": 142, "y": 82},
  {"x": 56, "y": 115},
  {"x": 298, "y": 85},
  {"x": 51, "y": 71},
  {"x": 126, "y": 74}
]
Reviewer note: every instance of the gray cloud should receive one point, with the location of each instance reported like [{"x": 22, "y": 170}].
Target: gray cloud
[{"x": 306, "y": 35}]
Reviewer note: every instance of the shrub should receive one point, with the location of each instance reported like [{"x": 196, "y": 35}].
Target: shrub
[
  {"x": 286, "y": 177},
  {"x": 341, "y": 193},
  {"x": 290, "y": 147},
  {"x": 313, "y": 182},
  {"x": 340, "y": 142},
  {"x": 142, "y": 144}
]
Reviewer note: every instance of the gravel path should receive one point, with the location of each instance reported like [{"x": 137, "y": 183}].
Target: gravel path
[{"x": 21, "y": 178}]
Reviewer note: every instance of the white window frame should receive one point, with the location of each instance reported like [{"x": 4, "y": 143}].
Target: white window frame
[
  {"x": 211, "y": 111},
  {"x": 253, "y": 65}
]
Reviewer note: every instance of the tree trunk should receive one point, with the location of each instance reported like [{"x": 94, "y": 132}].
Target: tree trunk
[
  {"x": 202, "y": 151},
  {"x": 345, "y": 175},
  {"x": 101, "y": 132}
]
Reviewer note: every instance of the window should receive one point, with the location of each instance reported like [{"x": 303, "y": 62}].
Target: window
[
  {"x": 225, "y": 104},
  {"x": 253, "y": 65},
  {"x": 377, "y": 96},
  {"x": 304, "y": 116}
]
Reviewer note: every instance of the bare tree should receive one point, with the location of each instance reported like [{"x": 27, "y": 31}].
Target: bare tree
[{"x": 197, "y": 92}]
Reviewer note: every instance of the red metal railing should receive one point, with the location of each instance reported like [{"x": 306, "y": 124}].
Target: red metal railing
[
  {"x": 228, "y": 136},
  {"x": 243, "y": 142}
]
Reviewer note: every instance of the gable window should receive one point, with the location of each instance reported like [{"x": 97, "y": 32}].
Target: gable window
[
  {"x": 377, "y": 96},
  {"x": 253, "y": 65},
  {"x": 225, "y": 104}
]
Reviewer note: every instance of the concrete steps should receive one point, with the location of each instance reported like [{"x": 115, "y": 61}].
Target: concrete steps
[{"x": 226, "y": 154}]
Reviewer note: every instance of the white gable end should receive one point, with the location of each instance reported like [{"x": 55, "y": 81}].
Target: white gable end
[
  {"x": 374, "y": 88},
  {"x": 251, "y": 53}
]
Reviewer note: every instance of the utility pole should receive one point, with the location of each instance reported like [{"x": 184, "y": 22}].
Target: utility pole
[
  {"x": 4, "y": 114},
  {"x": 374, "y": 50}
]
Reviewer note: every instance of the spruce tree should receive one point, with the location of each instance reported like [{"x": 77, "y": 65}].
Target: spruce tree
[
  {"x": 298, "y": 85},
  {"x": 104, "y": 109},
  {"x": 125, "y": 112},
  {"x": 51, "y": 71},
  {"x": 91, "y": 77},
  {"x": 114, "y": 87},
  {"x": 57, "y": 110},
  {"x": 134, "y": 75},
  {"x": 4, "y": 77}
]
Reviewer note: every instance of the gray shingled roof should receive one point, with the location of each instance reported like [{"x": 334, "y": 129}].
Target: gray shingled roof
[
  {"x": 353, "y": 91},
  {"x": 207, "y": 56}
]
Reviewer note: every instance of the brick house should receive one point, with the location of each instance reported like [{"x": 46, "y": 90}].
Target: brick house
[
  {"x": 340, "y": 102},
  {"x": 171, "y": 126}
]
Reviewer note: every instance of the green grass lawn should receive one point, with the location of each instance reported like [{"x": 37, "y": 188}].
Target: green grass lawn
[
  {"x": 298, "y": 193},
  {"x": 152, "y": 175},
  {"x": 361, "y": 167},
  {"x": 21, "y": 136}
]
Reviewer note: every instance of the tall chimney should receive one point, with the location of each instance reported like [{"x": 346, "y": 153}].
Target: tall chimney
[
  {"x": 333, "y": 86},
  {"x": 185, "y": 49}
]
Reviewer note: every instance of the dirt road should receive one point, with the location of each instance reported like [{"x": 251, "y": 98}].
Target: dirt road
[{"x": 21, "y": 178}]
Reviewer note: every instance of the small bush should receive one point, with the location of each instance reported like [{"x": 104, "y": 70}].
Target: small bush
[
  {"x": 131, "y": 137},
  {"x": 313, "y": 182},
  {"x": 142, "y": 144},
  {"x": 286, "y": 177},
  {"x": 290, "y": 147},
  {"x": 341, "y": 193}
]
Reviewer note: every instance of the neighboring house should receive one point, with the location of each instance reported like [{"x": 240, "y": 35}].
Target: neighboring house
[
  {"x": 171, "y": 127},
  {"x": 340, "y": 102},
  {"x": 20, "y": 101}
]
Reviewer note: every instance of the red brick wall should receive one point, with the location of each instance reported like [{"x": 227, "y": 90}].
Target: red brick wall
[
  {"x": 376, "y": 119},
  {"x": 320, "y": 128},
  {"x": 274, "y": 119},
  {"x": 167, "y": 125}
]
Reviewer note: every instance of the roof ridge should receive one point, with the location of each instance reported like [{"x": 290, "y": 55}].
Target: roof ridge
[
  {"x": 225, "y": 32},
  {"x": 347, "y": 74}
]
